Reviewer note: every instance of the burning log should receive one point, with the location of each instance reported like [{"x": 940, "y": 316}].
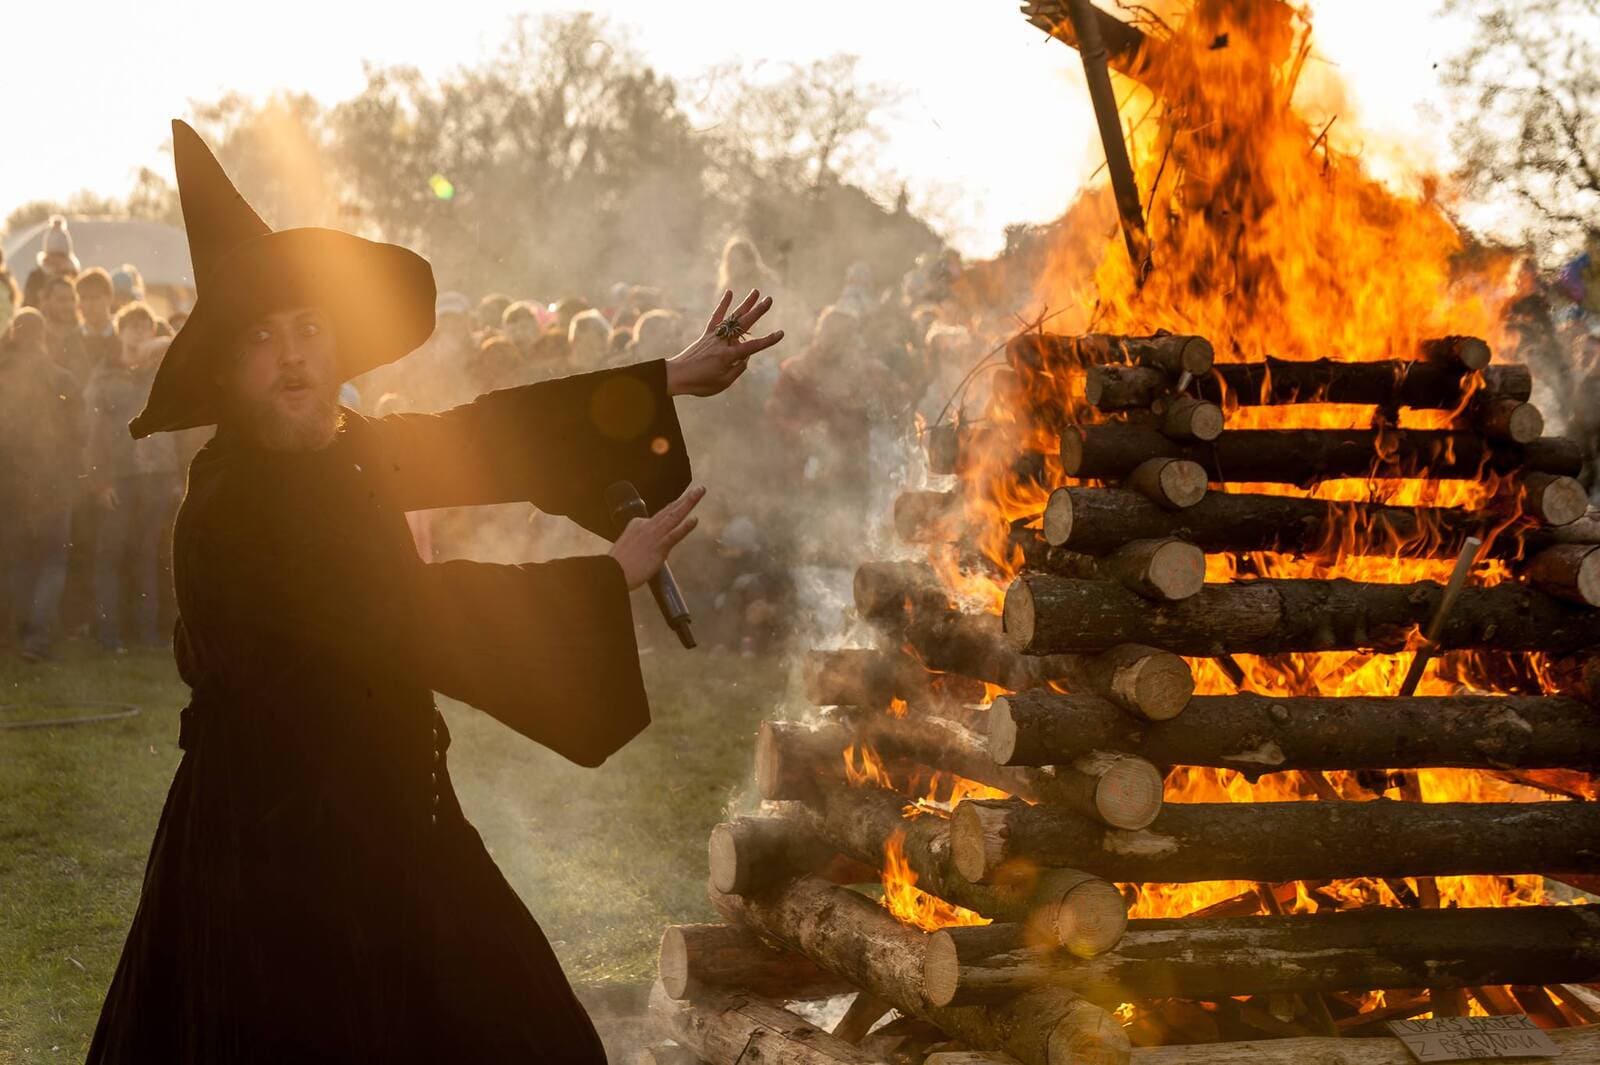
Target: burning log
[
  {"x": 1164, "y": 352},
  {"x": 1098, "y": 520},
  {"x": 1113, "y": 387},
  {"x": 1585, "y": 529},
  {"x": 873, "y": 678},
  {"x": 1389, "y": 384},
  {"x": 929, "y": 517},
  {"x": 1278, "y": 841},
  {"x": 1115, "y": 789},
  {"x": 1148, "y": 681},
  {"x": 750, "y": 853},
  {"x": 1262, "y": 734},
  {"x": 859, "y": 940},
  {"x": 1469, "y": 353},
  {"x": 1571, "y": 571},
  {"x": 1217, "y": 958},
  {"x": 889, "y": 589},
  {"x": 1557, "y": 501},
  {"x": 1509, "y": 421},
  {"x": 1163, "y": 569},
  {"x": 1577, "y": 1044},
  {"x": 729, "y": 1028},
  {"x": 1191, "y": 420},
  {"x": 1045, "y": 615},
  {"x": 1171, "y": 484},
  {"x": 699, "y": 958},
  {"x": 1300, "y": 456},
  {"x": 1083, "y": 913}
]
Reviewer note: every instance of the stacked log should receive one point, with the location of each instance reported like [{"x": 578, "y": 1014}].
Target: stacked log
[{"x": 1000, "y": 824}]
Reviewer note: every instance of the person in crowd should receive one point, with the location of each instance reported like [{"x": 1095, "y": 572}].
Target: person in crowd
[
  {"x": 41, "y": 451},
  {"x": 520, "y": 325},
  {"x": 588, "y": 341},
  {"x": 55, "y": 259},
  {"x": 551, "y": 356},
  {"x": 859, "y": 297},
  {"x": 562, "y": 312},
  {"x": 741, "y": 265},
  {"x": 749, "y": 607},
  {"x": 497, "y": 364},
  {"x": 490, "y": 313},
  {"x": 654, "y": 333},
  {"x": 134, "y": 483},
  {"x": 435, "y": 377},
  {"x": 63, "y": 328},
  {"x": 827, "y": 397},
  {"x": 10, "y": 297},
  {"x": 96, "y": 299},
  {"x": 127, "y": 286},
  {"x": 617, "y": 349}
]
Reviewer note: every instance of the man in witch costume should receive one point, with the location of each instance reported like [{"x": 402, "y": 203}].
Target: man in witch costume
[{"x": 314, "y": 893}]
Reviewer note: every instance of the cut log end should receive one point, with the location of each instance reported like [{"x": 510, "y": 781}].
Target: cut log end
[
  {"x": 941, "y": 969},
  {"x": 674, "y": 962},
  {"x": 1018, "y": 615},
  {"x": 1571, "y": 571},
  {"x": 1171, "y": 483},
  {"x": 1190, "y": 419},
  {"x": 1168, "y": 570},
  {"x": 1058, "y": 518},
  {"x": 1511, "y": 421},
  {"x": 1129, "y": 793},
  {"x": 1155, "y": 684},
  {"x": 1002, "y": 731},
  {"x": 1555, "y": 500},
  {"x": 1089, "y": 919},
  {"x": 1470, "y": 353},
  {"x": 1071, "y": 450},
  {"x": 977, "y": 843},
  {"x": 722, "y": 854}
]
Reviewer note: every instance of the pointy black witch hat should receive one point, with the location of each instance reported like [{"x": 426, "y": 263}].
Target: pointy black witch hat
[{"x": 379, "y": 296}]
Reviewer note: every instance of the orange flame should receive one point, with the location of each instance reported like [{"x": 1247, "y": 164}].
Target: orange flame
[{"x": 1269, "y": 237}]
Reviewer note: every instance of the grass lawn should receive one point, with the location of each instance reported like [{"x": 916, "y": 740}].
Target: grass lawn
[{"x": 603, "y": 857}]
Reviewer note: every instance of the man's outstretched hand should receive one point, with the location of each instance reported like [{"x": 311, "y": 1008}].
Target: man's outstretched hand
[
  {"x": 644, "y": 545},
  {"x": 715, "y": 361}
]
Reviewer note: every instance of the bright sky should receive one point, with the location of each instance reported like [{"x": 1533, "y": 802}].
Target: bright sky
[{"x": 995, "y": 114}]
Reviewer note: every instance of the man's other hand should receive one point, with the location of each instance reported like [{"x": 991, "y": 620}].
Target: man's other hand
[
  {"x": 644, "y": 545},
  {"x": 715, "y": 361}
]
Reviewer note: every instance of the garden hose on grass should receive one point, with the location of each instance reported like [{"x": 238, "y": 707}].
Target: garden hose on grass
[{"x": 108, "y": 712}]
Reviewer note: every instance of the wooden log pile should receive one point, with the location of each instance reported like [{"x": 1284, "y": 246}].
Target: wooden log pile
[{"x": 955, "y": 834}]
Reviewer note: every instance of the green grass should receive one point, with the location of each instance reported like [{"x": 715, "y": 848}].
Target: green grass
[{"x": 603, "y": 857}]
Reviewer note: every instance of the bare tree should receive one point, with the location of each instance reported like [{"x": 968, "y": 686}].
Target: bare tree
[
  {"x": 807, "y": 127},
  {"x": 1530, "y": 80}
]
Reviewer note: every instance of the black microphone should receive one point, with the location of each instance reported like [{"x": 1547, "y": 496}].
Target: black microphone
[{"x": 625, "y": 504}]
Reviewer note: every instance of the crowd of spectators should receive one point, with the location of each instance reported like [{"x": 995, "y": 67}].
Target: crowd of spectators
[{"x": 89, "y": 510}]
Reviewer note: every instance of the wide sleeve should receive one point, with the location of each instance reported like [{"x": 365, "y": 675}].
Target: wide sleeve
[
  {"x": 547, "y": 649},
  {"x": 557, "y": 444}
]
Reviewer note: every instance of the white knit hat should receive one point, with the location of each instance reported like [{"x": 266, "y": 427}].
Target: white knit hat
[{"x": 58, "y": 240}]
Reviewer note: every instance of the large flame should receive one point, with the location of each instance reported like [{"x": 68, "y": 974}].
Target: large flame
[{"x": 1268, "y": 238}]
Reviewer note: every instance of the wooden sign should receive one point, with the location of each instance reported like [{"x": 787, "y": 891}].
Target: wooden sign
[{"x": 1474, "y": 1038}]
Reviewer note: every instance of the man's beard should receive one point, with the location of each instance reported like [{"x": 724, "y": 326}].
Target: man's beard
[{"x": 308, "y": 429}]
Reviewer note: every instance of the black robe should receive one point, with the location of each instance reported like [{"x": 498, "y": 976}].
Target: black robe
[{"x": 314, "y": 893}]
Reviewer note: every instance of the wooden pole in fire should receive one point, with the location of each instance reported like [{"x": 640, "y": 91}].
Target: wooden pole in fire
[
  {"x": 1093, "y": 50},
  {"x": 1447, "y": 1002},
  {"x": 1452, "y": 592}
]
